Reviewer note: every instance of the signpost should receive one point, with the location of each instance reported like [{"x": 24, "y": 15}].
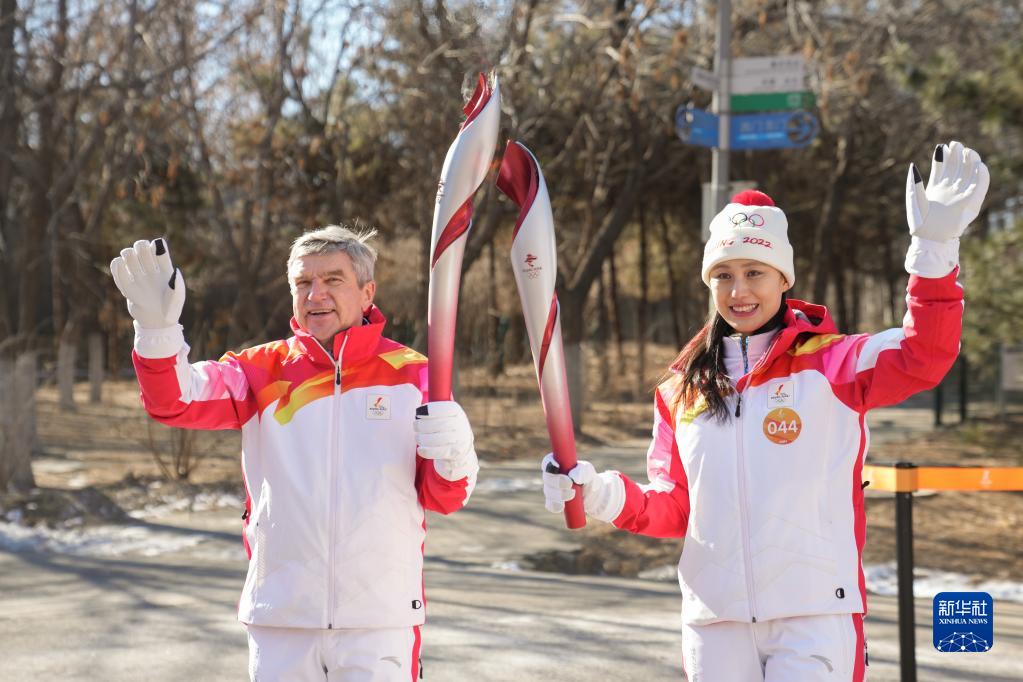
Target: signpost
[
  {"x": 777, "y": 63},
  {"x": 749, "y": 84},
  {"x": 750, "y": 131},
  {"x": 762, "y": 83},
  {"x": 774, "y": 131},
  {"x": 773, "y": 101},
  {"x": 780, "y": 73},
  {"x": 696, "y": 126},
  {"x": 704, "y": 78}
]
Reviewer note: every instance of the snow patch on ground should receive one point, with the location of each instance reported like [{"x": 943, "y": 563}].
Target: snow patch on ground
[
  {"x": 204, "y": 501},
  {"x": 512, "y": 566},
  {"x": 666, "y": 574},
  {"x": 99, "y": 541},
  {"x": 508, "y": 485},
  {"x": 883, "y": 579}
]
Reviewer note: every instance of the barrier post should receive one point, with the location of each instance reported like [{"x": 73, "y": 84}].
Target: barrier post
[{"x": 904, "y": 559}]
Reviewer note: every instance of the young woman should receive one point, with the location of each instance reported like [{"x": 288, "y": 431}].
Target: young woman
[{"x": 760, "y": 433}]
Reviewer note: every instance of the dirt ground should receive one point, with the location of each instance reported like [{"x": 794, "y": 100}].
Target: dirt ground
[{"x": 101, "y": 461}]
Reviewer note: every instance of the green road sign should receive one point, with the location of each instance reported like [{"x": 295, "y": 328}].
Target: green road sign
[{"x": 773, "y": 101}]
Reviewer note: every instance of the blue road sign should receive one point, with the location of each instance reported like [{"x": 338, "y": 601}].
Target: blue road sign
[
  {"x": 750, "y": 131},
  {"x": 774, "y": 131},
  {"x": 696, "y": 126}
]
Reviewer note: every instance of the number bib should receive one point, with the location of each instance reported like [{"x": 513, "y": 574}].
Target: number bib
[{"x": 782, "y": 425}]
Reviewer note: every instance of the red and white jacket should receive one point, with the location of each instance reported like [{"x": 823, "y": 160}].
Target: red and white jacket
[
  {"x": 335, "y": 522},
  {"x": 770, "y": 502}
]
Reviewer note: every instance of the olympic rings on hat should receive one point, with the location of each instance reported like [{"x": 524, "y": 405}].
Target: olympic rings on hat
[{"x": 754, "y": 219}]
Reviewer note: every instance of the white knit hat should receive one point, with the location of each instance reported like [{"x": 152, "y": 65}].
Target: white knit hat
[{"x": 750, "y": 227}]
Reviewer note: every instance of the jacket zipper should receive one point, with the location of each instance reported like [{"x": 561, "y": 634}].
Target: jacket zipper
[
  {"x": 741, "y": 471},
  {"x": 332, "y": 477}
]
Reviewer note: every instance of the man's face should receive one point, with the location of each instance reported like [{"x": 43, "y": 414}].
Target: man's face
[{"x": 326, "y": 296}]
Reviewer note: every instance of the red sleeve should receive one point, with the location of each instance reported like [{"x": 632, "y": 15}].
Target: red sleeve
[
  {"x": 895, "y": 364},
  {"x": 204, "y": 395},
  {"x": 660, "y": 509},
  {"x": 438, "y": 494}
]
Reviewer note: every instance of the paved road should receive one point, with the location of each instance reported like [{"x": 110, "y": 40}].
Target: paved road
[{"x": 170, "y": 617}]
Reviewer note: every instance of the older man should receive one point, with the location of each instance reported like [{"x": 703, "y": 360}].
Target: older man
[{"x": 341, "y": 456}]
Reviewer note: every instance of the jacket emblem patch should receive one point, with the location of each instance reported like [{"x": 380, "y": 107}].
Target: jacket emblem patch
[
  {"x": 378, "y": 406},
  {"x": 782, "y": 425},
  {"x": 781, "y": 394}
]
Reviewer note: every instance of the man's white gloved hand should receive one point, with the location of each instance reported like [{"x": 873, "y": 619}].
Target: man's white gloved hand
[
  {"x": 444, "y": 435},
  {"x": 155, "y": 290},
  {"x": 603, "y": 493},
  {"x": 939, "y": 213}
]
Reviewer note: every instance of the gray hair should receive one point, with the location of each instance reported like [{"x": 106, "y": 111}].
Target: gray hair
[{"x": 338, "y": 239}]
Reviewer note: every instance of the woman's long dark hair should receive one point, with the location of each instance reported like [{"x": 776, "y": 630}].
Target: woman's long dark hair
[{"x": 702, "y": 366}]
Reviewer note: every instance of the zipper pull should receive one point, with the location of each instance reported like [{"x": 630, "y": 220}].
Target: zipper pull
[
  {"x": 738, "y": 406},
  {"x": 337, "y": 375}
]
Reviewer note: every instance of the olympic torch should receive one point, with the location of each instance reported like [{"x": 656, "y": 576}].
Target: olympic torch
[
  {"x": 465, "y": 167},
  {"x": 534, "y": 260}
]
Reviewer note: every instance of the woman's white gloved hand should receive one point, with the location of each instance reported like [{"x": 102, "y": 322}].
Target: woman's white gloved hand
[
  {"x": 952, "y": 199},
  {"x": 940, "y": 212},
  {"x": 603, "y": 493}
]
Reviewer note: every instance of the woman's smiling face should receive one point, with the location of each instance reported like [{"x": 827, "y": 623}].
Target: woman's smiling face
[{"x": 747, "y": 293}]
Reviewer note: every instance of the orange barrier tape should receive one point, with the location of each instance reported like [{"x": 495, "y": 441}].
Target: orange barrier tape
[{"x": 907, "y": 480}]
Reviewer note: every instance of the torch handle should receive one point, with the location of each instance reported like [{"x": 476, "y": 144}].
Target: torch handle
[{"x": 557, "y": 410}]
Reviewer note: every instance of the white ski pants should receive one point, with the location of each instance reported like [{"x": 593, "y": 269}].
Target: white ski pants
[
  {"x": 806, "y": 648},
  {"x": 304, "y": 655}
]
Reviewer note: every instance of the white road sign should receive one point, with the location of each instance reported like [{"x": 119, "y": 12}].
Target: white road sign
[
  {"x": 702, "y": 78},
  {"x": 756, "y": 75},
  {"x": 776, "y": 64}
]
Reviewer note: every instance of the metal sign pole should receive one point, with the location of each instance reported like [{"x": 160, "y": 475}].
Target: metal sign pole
[
  {"x": 904, "y": 560},
  {"x": 723, "y": 70}
]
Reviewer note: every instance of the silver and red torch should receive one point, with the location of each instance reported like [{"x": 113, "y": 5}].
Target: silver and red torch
[
  {"x": 534, "y": 260},
  {"x": 465, "y": 167}
]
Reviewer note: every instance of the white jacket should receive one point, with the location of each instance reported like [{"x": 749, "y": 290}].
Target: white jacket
[
  {"x": 335, "y": 520},
  {"x": 770, "y": 502}
]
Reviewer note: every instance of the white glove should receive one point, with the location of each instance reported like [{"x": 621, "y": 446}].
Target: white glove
[
  {"x": 156, "y": 294},
  {"x": 444, "y": 435},
  {"x": 603, "y": 493},
  {"x": 939, "y": 213},
  {"x": 155, "y": 290}
]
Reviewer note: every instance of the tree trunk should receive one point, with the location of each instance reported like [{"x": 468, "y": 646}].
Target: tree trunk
[
  {"x": 616, "y": 316},
  {"x": 423, "y": 280},
  {"x": 572, "y": 325},
  {"x": 17, "y": 423},
  {"x": 890, "y": 282},
  {"x": 676, "y": 300},
  {"x": 603, "y": 328},
  {"x": 66, "y": 352},
  {"x": 833, "y": 198},
  {"x": 840, "y": 278},
  {"x": 496, "y": 359},
  {"x": 95, "y": 369},
  {"x": 9, "y": 123},
  {"x": 641, "y": 319}
]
